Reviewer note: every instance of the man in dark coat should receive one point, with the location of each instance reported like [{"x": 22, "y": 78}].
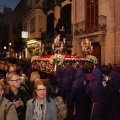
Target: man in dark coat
[
  {"x": 99, "y": 95},
  {"x": 16, "y": 95}
]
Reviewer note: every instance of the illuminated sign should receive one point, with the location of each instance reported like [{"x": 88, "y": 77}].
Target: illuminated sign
[{"x": 24, "y": 34}]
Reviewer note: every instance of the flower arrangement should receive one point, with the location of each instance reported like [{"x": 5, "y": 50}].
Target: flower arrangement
[
  {"x": 57, "y": 59},
  {"x": 92, "y": 59}
]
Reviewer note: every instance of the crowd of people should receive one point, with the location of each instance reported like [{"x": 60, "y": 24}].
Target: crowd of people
[{"x": 74, "y": 93}]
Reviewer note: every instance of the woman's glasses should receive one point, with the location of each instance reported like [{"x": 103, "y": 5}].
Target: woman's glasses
[{"x": 41, "y": 90}]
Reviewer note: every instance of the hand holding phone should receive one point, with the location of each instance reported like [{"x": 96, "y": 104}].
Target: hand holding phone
[{"x": 18, "y": 103}]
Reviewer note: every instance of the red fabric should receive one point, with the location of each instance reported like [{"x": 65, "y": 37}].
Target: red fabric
[{"x": 65, "y": 55}]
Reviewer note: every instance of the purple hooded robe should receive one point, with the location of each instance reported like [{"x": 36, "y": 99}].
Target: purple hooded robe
[
  {"x": 99, "y": 95},
  {"x": 114, "y": 103},
  {"x": 79, "y": 98}
]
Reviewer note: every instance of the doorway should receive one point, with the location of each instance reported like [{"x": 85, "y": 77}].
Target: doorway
[{"x": 97, "y": 51}]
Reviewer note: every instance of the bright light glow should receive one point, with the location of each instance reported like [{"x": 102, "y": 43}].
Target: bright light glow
[
  {"x": 5, "y": 47},
  {"x": 10, "y": 44},
  {"x": 31, "y": 41}
]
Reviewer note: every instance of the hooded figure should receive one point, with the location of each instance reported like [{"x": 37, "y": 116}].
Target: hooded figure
[
  {"x": 99, "y": 95},
  {"x": 68, "y": 80},
  {"x": 114, "y": 102},
  {"x": 105, "y": 70},
  {"x": 59, "y": 76},
  {"x": 67, "y": 85},
  {"x": 79, "y": 98}
]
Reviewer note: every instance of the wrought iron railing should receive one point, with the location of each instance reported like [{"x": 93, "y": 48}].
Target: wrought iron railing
[{"x": 91, "y": 25}]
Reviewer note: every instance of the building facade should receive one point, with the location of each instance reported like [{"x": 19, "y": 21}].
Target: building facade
[
  {"x": 41, "y": 20},
  {"x": 96, "y": 20}
]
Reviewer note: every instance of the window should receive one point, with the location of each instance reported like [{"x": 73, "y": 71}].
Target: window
[
  {"x": 50, "y": 24},
  {"x": 91, "y": 14},
  {"x": 65, "y": 14},
  {"x": 29, "y": 5}
]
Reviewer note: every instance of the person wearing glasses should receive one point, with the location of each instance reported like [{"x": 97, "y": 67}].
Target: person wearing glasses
[
  {"x": 7, "y": 109},
  {"x": 16, "y": 95},
  {"x": 41, "y": 107}
]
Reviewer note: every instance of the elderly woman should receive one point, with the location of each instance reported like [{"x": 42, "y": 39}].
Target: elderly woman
[
  {"x": 7, "y": 109},
  {"x": 41, "y": 107}
]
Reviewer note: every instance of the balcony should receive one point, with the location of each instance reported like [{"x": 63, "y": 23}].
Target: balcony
[{"x": 90, "y": 26}]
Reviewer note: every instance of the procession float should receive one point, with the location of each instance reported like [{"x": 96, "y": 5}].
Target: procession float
[{"x": 50, "y": 63}]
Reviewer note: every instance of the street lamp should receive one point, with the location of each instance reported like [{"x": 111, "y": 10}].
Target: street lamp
[
  {"x": 10, "y": 50},
  {"x": 4, "y": 53}
]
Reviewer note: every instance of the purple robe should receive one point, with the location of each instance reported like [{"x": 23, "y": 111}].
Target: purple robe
[
  {"x": 68, "y": 79},
  {"x": 59, "y": 76},
  {"x": 114, "y": 107},
  {"x": 99, "y": 95},
  {"x": 79, "y": 78},
  {"x": 67, "y": 84},
  {"x": 79, "y": 98}
]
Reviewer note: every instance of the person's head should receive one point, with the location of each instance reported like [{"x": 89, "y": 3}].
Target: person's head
[
  {"x": 12, "y": 69},
  {"x": 105, "y": 69},
  {"x": 2, "y": 89},
  {"x": 52, "y": 89},
  {"x": 2, "y": 66},
  {"x": 96, "y": 73},
  {"x": 14, "y": 80},
  {"x": 34, "y": 75},
  {"x": 23, "y": 79},
  {"x": 40, "y": 88}
]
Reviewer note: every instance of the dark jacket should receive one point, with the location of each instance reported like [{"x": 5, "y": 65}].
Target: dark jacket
[{"x": 23, "y": 96}]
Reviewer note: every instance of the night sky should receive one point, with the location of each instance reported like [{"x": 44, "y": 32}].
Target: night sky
[{"x": 8, "y": 3}]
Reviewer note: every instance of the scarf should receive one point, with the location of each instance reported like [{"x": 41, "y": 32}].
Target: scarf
[{"x": 38, "y": 112}]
